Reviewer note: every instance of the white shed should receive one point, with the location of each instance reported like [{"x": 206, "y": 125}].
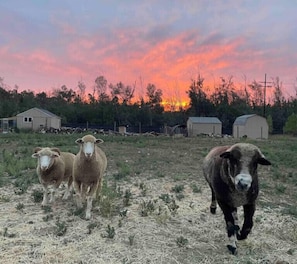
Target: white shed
[
  {"x": 204, "y": 125},
  {"x": 36, "y": 119},
  {"x": 252, "y": 126}
]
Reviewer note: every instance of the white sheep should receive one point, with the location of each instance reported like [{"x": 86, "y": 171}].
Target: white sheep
[
  {"x": 53, "y": 168},
  {"x": 89, "y": 166}
]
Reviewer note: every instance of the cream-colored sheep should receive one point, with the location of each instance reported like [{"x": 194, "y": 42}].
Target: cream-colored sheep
[
  {"x": 53, "y": 168},
  {"x": 88, "y": 169}
]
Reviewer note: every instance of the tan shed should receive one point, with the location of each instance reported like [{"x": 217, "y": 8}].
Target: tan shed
[
  {"x": 251, "y": 126},
  {"x": 204, "y": 126},
  {"x": 36, "y": 119}
]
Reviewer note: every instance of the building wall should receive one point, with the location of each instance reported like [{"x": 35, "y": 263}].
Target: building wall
[
  {"x": 54, "y": 122},
  {"x": 238, "y": 131},
  {"x": 35, "y": 120},
  {"x": 195, "y": 129},
  {"x": 256, "y": 127}
]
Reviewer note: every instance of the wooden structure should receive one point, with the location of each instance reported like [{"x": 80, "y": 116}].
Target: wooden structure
[
  {"x": 211, "y": 126},
  {"x": 251, "y": 126},
  {"x": 38, "y": 119}
]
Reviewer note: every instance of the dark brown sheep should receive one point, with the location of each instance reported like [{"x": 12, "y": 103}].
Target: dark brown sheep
[{"x": 231, "y": 172}]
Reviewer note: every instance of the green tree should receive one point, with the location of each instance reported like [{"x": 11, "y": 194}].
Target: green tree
[
  {"x": 81, "y": 91},
  {"x": 101, "y": 88},
  {"x": 200, "y": 105},
  {"x": 291, "y": 125},
  {"x": 121, "y": 93},
  {"x": 154, "y": 103},
  {"x": 64, "y": 94},
  {"x": 270, "y": 124}
]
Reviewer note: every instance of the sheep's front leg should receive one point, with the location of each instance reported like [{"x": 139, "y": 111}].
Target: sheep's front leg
[
  {"x": 249, "y": 211},
  {"x": 230, "y": 214},
  {"x": 53, "y": 194},
  {"x": 90, "y": 197},
  {"x": 66, "y": 194},
  {"x": 89, "y": 206},
  {"x": 77, "y": 188},
  {"x": 45, "y": 196},
  {"x": 68, "y": 190}
]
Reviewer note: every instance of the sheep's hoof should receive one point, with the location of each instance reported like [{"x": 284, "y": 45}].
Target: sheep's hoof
[
  {"x": 65, "y": 197},
  {"x": 44, "y": 203},
  {"x": 233, "y": 250},
  {"x": 241, "y": 236},
  {"x": 213, "y": 210},
  {"x": 88, "y": 217}
]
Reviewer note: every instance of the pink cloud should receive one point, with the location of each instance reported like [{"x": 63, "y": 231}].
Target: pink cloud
[{"x": 170, "y": 64}]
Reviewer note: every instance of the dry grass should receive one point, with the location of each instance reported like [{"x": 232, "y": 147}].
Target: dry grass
[{"x": 188, "y": 234}]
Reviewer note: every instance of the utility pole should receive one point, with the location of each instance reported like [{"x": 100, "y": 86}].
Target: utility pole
[{"x": 265, "y": 86}]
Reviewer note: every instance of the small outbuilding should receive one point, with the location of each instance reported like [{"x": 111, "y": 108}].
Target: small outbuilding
[
  {"x": 7, "y": 124},
  {"x": 204, "y": 126},
  {"x": 252, "y": 126},
  {"x": 37, "y": 119}
]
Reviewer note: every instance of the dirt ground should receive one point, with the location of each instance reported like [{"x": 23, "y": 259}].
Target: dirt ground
[{"x": 168, "y": 232}]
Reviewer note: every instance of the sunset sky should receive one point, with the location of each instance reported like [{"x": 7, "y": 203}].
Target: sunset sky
[{"x": 45, "y": 44}]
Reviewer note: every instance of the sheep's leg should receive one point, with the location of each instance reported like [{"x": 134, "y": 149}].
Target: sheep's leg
[
  {"x": 230, "y": 214},
  {"x": 53, "y": 194},
  {"x": 66, "y": 194},
  {"x": 45, "y": 196},
  {"x": 68, "y": 190},
  {"x": 213, "y": 205},
  {"x": 77, "y": 188},
  {"x": 98, "y": 192},
  {"x": 90, "y": 196},
  {"x": 249, "y": 211},
  {"x": 89, "y": 206}
]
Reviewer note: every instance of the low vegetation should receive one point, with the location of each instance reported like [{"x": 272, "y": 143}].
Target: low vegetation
[{"x": 153, "y": 208}]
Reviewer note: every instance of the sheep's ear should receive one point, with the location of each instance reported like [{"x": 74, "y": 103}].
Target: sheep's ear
[
  {"x": 35, "y": 155},
  {"x": 55, "y": 154},
  {"x": 226, "y": 155},
  {"x": 99, "y": 141},
  {"x": 37, "y": 149},
  {"x": 264, "y": 161},
  {"x": 79, "y": 141},
  {"x": 56, "y": 150}
]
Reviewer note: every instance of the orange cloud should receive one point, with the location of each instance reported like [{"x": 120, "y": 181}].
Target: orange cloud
[{"x": 170, "y": 63}]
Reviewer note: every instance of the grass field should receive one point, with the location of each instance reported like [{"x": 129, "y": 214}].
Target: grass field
[{"x": 154, "y": 207}]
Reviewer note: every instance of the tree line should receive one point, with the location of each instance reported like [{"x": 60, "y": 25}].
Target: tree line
[{"x": 110, "y": 104}]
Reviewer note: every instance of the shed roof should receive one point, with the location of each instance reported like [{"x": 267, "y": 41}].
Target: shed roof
[
  {"x": 205, "y": 120},
  {"x": 241, "y": 120},
  {"x": 43, "y": 111}
]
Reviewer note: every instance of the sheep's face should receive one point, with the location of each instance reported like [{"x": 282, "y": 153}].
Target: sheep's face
[
  {"x": 243, "y": 159},
  {"x": 46, "y": 157},
  {"x": 87, "y": 145}
]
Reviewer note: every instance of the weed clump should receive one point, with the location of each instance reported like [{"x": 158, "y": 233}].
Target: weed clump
[
  {"x": 110, "y": 232},
  {"x": 60, "y": 228},
  {"x": 37, "y": 196},
  {"x": 181, "y": 241}
]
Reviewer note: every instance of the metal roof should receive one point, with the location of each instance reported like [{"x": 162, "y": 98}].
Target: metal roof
[
  {"x": 241, "y": 120},
  {"x": 205, "y": 120},
  {"x": 46, "y": 112}
]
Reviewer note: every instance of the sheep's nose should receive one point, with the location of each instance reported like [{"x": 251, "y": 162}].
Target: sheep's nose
[
  {"x": 44, "y": 168},
  {"x": 88, "y": 155},
  {"x": 242, "y": 186}
]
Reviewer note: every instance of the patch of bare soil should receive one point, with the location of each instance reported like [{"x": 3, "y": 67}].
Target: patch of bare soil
[{"x": 152, "y": 230}]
